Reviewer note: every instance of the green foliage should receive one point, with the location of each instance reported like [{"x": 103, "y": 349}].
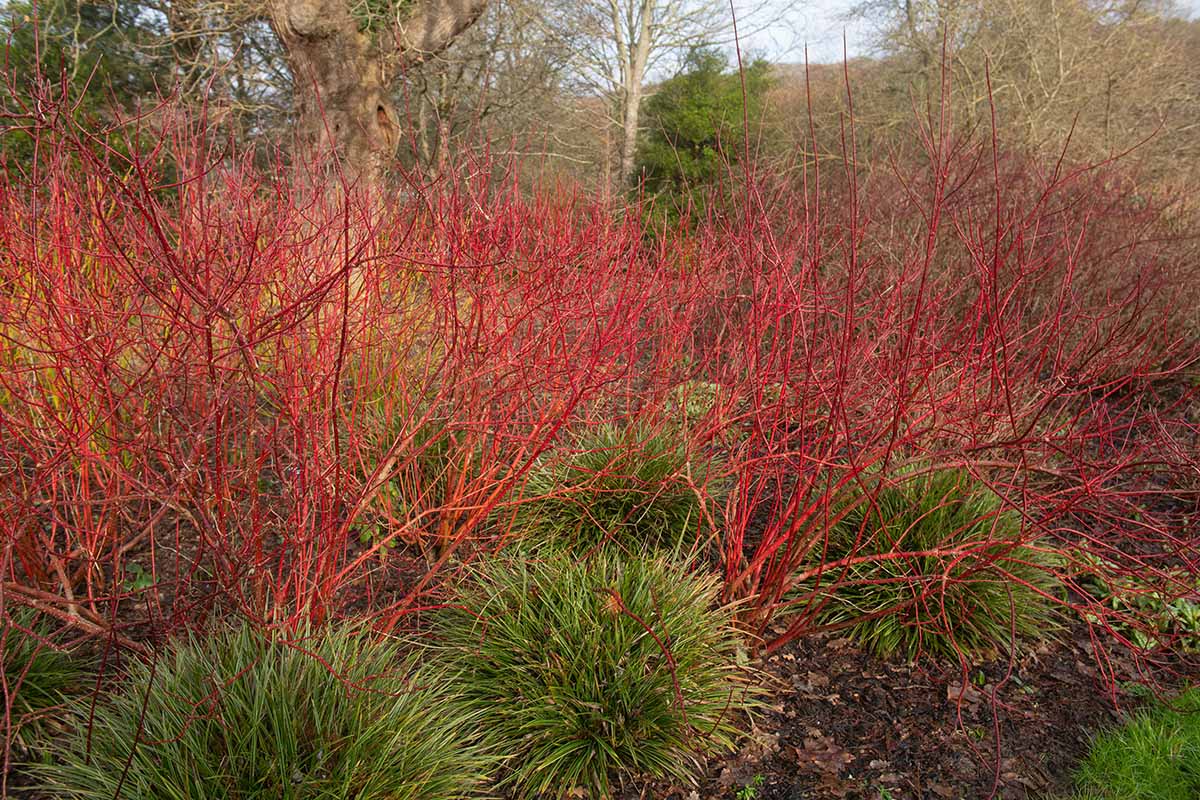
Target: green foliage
[
  {"x": 751, "y": 790},
  {"x": 695, "y": 127},
  {"x": 1153, "y": 756},
  {"x": 374, "y": 16},
  {"x": 38, "y": 678},
  {"x": 1162, "y": 619},
  {"x": 629, "y": 485},
  {"x": 695, "y": 399},
  {"x": 419, "y": 481},
  {"x": 431, "y": 462},
  {"x": 138, "y": 579},
  {"x": 582, "y": 672},
  {"x": 239, "y": 715},
  {"x": 107, "y": 52},
  {"x": 946, "y": 569}
]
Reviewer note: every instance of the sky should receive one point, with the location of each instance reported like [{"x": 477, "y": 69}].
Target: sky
[{"x": 821, "y": 23}]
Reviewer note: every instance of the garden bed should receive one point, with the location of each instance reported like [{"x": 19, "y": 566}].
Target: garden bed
[
  {"x": 843, "y": 723},
  {"x": 874, "y": 415},
  {"x": 839, "y": 723}
]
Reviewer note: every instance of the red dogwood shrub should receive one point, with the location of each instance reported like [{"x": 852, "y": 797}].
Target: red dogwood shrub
[{"x": 225, "y": 388}]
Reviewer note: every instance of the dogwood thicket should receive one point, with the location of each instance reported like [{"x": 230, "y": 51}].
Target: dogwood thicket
[{"x": 240, "y": 390}]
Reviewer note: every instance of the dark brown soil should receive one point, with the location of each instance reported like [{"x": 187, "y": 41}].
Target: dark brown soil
[{"x": 841, "y": 723}]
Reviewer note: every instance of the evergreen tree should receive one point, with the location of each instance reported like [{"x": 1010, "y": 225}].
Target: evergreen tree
[{"x": 696, "y": 128}]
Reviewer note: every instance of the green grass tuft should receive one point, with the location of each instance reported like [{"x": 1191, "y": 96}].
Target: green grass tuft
[
  {"x": 38, "y": 679},
  {"x": 983, "y": 586},
  {"x": 573, "y": 688},
  {"x": 626, "y": 485},
  {"x": 431, "y": 458},
  {"x": 238, "y": 715},
  {"x": 1153, "y": 756}
]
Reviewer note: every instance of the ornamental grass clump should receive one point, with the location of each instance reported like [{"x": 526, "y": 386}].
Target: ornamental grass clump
[
  {"x": 628, "y": 485},
  {"x": 588, "y": 673},
  {"x": 239, "y": 714},
  {"x": 38, "y": 678},
  {"x": 932, "y": 563},
  {"x": 431, "y": 468}
]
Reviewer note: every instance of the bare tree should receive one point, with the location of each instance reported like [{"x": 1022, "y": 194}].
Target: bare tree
[
  {"x": 226, "y": 55},
  {"x": 327, "y": 66},
  {"x": 344, "y": 58},
  {"x": 498, "y": 82},
  {"x": 619, "y": 44},
  {"x": 1106, "y": 73}
]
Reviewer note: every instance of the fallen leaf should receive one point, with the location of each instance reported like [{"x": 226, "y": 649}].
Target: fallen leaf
[
  {"x": 759, "y": 744},
  {"x": 822, "y": 753},
  {"x": 966, "y": 694},
  {"x": 833, "y": 786}
]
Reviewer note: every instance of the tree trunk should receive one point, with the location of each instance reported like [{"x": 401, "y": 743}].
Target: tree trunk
[
  {"x": 629, "y": 132},
  {"x": 343, "y": 74},
  {"x": 635, "y": 55}
]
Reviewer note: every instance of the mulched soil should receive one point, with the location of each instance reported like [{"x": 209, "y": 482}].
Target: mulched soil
[{"x": 841, "y": 723}]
